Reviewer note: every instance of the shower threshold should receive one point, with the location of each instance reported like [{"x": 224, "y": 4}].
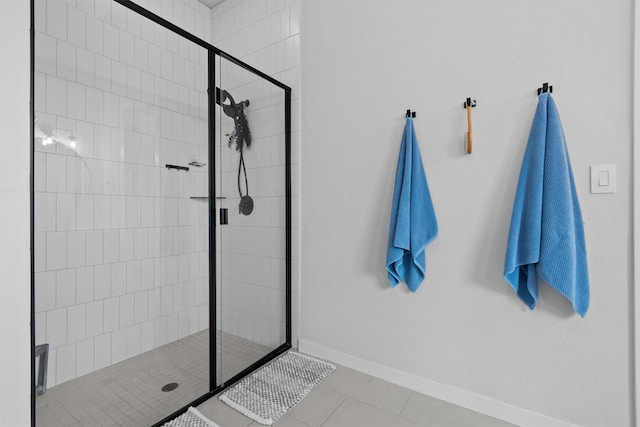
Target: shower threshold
[{"x": 129, "y": 393}]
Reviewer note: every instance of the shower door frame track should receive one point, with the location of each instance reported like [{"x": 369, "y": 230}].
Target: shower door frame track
[
  {"x": 212, "y": 52},
  {"x": 32, "y": 269}
]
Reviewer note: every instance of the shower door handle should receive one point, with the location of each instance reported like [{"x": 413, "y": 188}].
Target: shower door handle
[{"x": 224, "y": 216}]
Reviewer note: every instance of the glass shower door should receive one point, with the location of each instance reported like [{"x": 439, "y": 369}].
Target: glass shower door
[{"x": 251, "y": 202}]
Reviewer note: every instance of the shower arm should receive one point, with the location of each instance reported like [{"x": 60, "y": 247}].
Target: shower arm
[{"x": 223, "y": 95}]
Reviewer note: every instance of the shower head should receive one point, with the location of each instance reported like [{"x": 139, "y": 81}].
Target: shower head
[
  {"x": 236, "y": 112},
  {"x": 231, "y": 109},
  {"x": 234, "y": 108}
]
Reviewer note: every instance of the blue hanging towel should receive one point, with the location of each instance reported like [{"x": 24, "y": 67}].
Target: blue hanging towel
[
  {"x": 413, "y": 220},
  {"x": 546, "y": 236}
]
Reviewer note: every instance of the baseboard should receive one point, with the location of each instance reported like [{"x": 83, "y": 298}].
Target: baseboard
[{"x": 476, "y": 402}]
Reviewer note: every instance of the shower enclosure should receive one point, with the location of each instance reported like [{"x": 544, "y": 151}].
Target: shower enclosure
[{"x": 161, "y": 216}]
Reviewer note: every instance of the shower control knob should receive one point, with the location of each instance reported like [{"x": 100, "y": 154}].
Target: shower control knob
[{"x": 246, "y": 205}]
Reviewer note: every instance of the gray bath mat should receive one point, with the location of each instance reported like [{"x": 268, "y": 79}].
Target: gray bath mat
[
  {"x": 191, "y": 418},
  {"x": 271, "y": 391}
]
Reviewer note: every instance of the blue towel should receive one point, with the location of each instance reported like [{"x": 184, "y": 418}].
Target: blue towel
[
  {"x": 546, "y": 237},
  {"x": 413, "y": 220}
]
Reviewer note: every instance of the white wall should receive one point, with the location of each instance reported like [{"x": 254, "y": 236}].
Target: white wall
[
  {"x": 14, "y": 215},
  {"x": 464, "y": 335}
]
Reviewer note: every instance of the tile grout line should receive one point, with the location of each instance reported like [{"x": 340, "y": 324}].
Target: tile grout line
[
  {"x": 344, "y": 399},
  {"x": 405, "y": 405}
]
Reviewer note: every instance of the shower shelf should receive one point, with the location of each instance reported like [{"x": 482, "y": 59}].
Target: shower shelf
[{"x": 205, "y": 197}]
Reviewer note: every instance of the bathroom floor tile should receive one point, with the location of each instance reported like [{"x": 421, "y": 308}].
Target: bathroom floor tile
[
  {"x": 129, "y": 393},
  {"x": 315, "y": 408},
  {"x": 374, "y": 391},
  {"x": 285, "y": 421},
  {"x": 354, "y": 413},
  {"x": 428, "y": 411}
]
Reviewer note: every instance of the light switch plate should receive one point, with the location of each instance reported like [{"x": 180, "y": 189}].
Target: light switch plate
[{"x": 603, "y": 179}]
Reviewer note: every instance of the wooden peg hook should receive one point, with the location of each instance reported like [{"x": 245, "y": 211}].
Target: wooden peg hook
[{"x": 468, "y": 140}]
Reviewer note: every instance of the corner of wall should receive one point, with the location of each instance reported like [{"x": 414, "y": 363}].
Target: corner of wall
[{"x": 15, "y": 343}]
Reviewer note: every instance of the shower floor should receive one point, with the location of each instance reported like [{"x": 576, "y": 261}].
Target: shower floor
[{"x": 129, "y": 393}]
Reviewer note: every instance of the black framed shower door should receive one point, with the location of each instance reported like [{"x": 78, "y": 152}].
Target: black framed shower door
[{"x": 242, "y": 184}]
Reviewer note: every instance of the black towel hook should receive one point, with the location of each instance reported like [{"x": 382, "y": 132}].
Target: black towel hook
[
  {"x": 411, "y": 113},
  {"x": 546, "y": 87}
]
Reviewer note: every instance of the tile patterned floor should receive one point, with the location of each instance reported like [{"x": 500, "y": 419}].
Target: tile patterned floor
[
  {"x": 348, "y": 398},
  {"x": 129, "y": 393}
]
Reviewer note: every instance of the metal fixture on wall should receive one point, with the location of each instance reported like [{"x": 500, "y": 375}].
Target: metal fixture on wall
[
  {"x": 546, "y": 87},
  {"x": 239, "y": 137},
  {"x": 41, "y": 354},
  {"x": 180, "y": 168}
]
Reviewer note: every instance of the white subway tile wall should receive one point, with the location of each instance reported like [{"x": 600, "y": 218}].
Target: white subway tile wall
[
  {"x": 119, "y": 242},
  {"x": 266, "y": 35}
]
